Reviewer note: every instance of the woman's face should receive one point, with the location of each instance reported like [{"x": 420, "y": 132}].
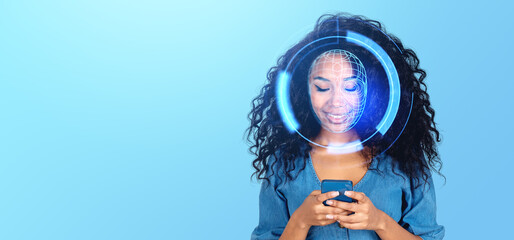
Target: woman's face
[{"x": 337, "y": 88}]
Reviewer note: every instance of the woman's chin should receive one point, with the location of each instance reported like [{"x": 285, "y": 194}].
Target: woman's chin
[{"x": 337, "y": 129}]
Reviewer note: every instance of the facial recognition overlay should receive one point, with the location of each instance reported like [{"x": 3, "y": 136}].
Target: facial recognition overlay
[
  {"x": 345, "y": 82},
  {"x": 337, "y": 89}
]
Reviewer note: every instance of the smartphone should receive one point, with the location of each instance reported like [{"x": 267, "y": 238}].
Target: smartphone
[{"x": 328, "y": 185}]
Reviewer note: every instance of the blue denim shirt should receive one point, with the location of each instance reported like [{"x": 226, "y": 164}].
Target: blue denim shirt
[{"x": 413, "y": 209}]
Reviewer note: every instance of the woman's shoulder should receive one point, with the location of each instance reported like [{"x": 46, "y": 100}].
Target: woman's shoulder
[
  {"x": 274, "y": 166},
  {"x": 280, "y": 164},
  {"x": 389, "y": 168}
]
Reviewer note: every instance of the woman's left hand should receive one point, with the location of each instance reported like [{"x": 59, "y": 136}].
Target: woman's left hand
[{"x": 366, "y": 216}]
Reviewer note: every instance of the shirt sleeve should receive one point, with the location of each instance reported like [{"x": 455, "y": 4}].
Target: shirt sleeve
[
  {"x": 273, "y": 212},
  {"x": 419, "y": 214}
]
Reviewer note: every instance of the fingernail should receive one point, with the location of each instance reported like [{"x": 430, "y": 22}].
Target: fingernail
[
  {"x": 330, "y": 216},
  {"x": 329, "y": 202},
  {"x": 334, "y": 194},
  {"x": 347, "y": 193}
]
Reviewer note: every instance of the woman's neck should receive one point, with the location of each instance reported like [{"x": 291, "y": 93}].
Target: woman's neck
[
  {"x": 327, "y": 138},
  {"x": 335, "y": 158},
  {"x": 330, "y": 143}
]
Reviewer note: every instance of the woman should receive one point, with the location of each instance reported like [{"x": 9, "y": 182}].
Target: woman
[{"x": 337, "y": 97}]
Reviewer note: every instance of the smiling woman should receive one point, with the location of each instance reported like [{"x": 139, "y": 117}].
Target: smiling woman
[
  {"x": 337, "y": 87},
  {"x": 337, "y": 97}
]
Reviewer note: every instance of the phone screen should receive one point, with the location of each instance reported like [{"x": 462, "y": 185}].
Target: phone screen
[{"x": 329, "y": 185}]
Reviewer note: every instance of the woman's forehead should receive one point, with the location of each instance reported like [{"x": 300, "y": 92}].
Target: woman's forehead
[
  {"x": 332, "y": 66},
  {"x": 332, "y": 63}
]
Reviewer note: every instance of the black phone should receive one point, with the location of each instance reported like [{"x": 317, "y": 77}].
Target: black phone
[{"x": 328, "y": 185}]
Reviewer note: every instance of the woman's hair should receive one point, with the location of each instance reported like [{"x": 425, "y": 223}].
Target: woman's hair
[{"x": 414, "y": 151}]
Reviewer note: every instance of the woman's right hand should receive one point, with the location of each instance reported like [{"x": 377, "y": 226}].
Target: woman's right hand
[{"x": 313, "y": 212}]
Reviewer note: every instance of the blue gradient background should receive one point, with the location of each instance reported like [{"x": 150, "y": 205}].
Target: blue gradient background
[{"x": 125, "y": 119}]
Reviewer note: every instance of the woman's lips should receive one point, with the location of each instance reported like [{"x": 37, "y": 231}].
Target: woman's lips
[{"x": 336, "y": 118}]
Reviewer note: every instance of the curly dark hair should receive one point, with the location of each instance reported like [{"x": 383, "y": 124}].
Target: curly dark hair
[{"x": 414, "y": 150}]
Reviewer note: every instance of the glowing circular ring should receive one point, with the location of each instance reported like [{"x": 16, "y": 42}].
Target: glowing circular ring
[{"x": 284, "y": 77}]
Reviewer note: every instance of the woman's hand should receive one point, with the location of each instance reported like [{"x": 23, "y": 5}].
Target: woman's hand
[
  {"x": 366, "y": 216},
  {"x": 313, "y": 212}
]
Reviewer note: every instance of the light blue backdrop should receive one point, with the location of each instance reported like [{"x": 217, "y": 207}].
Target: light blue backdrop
[{"x": 125, "y": 119}]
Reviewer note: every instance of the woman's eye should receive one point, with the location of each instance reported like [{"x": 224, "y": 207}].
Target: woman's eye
[
  {"x": 321, "y": 89},
  {"x": 352, "y": 87}
]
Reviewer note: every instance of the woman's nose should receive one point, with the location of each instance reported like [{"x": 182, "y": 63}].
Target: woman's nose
[{"x": 338, "y": 99}]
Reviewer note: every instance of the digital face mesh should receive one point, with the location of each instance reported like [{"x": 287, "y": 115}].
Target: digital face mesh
[
  {"x": 337, "y": 89},
  {"x": 351, "y": 90}
]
